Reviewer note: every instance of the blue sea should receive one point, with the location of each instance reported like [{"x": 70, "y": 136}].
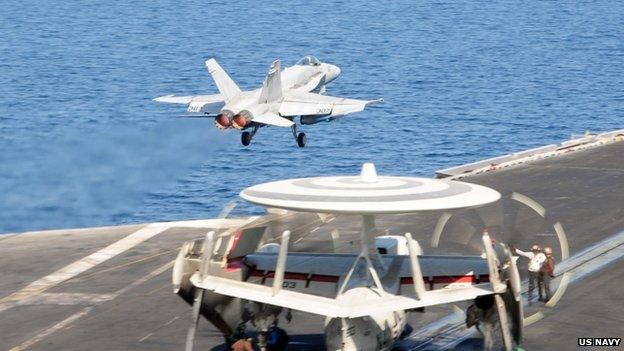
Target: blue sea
[{"x": 82, "y": 144}]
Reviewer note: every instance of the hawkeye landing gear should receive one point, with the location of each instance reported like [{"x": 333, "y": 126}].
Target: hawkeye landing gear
[
  {"x": 247, "y": 136},
  {"x": 300, "y": 138}
]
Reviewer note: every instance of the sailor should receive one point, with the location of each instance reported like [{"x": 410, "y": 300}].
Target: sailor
[
  {"x": 277, "y": 339},
  {"x": 482, "y": 314},
  {"x": 536, "y": 258},
  {"x": 243, "y": 345},
  {"x": 239, "y": 341},
  {"x": 546, "y": 274}
]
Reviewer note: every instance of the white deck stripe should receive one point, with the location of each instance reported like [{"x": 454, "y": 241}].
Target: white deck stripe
[
  {"x": 82, "y": 265},
  {"x": 65, "y": 299},
  {"x": 143, "y": 279},
  {"x": 105, "y": 254},
  {"x": 97, "y": 299}
]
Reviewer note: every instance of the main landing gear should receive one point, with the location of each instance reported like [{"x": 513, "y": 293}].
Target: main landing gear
[
  {"x": 300, "y": 138},
  {"x": 247, "y": 136}
]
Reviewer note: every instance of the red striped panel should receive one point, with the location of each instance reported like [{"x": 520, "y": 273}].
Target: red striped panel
[
  {"x": 473, "y": 279},
  {"x": 298, "y": 276}
]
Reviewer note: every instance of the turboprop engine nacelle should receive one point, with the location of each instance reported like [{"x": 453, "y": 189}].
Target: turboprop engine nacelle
[{"x": 370, "y": 333}]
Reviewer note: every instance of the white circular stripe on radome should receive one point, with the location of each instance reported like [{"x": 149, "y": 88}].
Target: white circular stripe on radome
[
  {"x": 353, "y": 195},
  {"x": 336, "y": 187}
]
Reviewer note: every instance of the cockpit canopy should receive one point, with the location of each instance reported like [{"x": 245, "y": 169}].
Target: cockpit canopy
[{"x": 309, "y": 61}]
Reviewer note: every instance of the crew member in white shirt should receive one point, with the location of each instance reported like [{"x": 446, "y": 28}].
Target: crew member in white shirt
[{"x": 536, "y": 260}]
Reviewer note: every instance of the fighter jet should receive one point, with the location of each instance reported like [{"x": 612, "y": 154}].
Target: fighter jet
[{"x": 285, "y": 94}]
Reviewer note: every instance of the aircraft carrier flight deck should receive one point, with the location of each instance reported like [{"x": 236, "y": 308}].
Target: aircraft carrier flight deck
[{"x": 110, "y": 288}]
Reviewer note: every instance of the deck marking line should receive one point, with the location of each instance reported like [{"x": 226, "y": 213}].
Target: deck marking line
[
  {"x": 64, "y": 299},
  {"x": 155, "y": 330},
  {"x": 105, "y": 254},
  {"x": 99, "y": 257},
  {"x": 58, "y": 326},
  {"x": 66, "y": 322},
  {"x": 84, "y": 264}
]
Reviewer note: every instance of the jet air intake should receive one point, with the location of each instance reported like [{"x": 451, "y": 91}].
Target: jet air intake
[{"x": 224, "y": 120}]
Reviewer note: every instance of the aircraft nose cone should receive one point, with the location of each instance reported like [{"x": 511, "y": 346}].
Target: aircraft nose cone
[{"x": 333, "y": 72}]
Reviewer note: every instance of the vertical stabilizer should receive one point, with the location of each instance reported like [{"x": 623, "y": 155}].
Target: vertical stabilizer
[
  {"x": 227, "y": 87},
  {"x": 272, "y": 86}
]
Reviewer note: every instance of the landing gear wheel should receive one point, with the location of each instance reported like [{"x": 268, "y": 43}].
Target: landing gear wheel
[
  {"x": 301, "y": 139},
  {"x": 246, "y": 138}
]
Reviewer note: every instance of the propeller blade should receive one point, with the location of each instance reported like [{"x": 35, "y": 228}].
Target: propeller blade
[
  {"x": 335, "y": 236},
  {"x": 517, "y": 308},
  {"x": 208, "y": 248},
  {"x": 504, "y": 322},
  {"x": 190, "y": 335},
  {"x": 492, "y": 262},
  {"x": 225, "y": 211}
]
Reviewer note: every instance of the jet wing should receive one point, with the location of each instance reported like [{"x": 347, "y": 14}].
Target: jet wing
[
  {"x": 304, "y": 104},
  {"x": 209, "y": 104}
]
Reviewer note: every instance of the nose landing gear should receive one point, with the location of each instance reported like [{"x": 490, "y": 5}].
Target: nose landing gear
[
  {"x": 247, "y": 136},
  {"x": 300, "y": 138}
]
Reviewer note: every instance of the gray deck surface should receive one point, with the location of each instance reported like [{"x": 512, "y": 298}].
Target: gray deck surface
[{"x": 126, "y": 302}]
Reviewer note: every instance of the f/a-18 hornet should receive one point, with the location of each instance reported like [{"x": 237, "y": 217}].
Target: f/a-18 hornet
[{"x": 285, "y": 94}]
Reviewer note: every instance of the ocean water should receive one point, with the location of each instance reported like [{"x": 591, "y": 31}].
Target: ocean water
[{"x": 82, "y": 144}]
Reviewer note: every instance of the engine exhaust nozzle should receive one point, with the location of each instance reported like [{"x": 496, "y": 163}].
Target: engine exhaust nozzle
[
  {"x": 239, "y": 121},
  {"x": 223, "y": 121}
]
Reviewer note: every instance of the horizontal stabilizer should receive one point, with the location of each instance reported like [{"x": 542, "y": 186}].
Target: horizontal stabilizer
[
  {"x": 227, "y": 87},
  {"x": 207, "y": 104},
  {"x": 176, "y": 99},
  {"x": 173, "y": 99},
  {"x": 335, "y": 308},
  {"x": 273, "y": 120}
]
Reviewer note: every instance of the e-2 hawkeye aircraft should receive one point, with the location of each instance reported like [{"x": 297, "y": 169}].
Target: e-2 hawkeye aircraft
[
  {"x": 285, "y": 94},
  {"x": 232, "y": 278}
]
